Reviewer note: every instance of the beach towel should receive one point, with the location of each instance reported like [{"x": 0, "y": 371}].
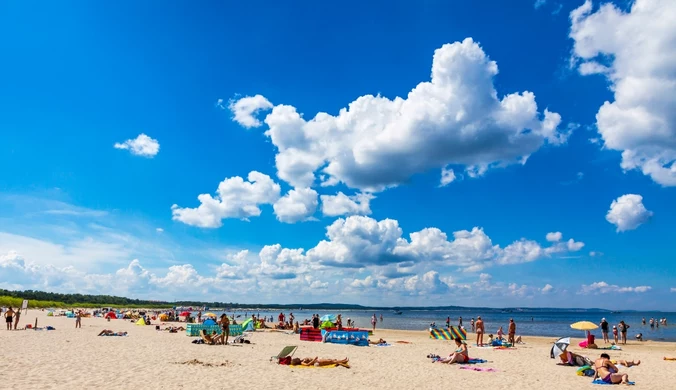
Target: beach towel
[
  {"x": 327, "y": 366},
  {"x": 612, "y": 348},
  {"x": 483, "y": 369},
  {"x": 114, "y": 335},
  {"x": 383, "y": 345},
  {"x": 600, "y": 382},
  {"x": 475, "y": 361}
]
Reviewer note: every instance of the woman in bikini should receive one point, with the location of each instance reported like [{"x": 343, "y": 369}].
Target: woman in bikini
[
  {"x": 317, "y": 362},
  {"x": 606, "y": 370},
  {"x": 459, "y": 356},
  {"x": 225, "y": 325}
]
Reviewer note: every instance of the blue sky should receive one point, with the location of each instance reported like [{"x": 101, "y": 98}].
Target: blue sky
[{"x": 462, "y": 115}]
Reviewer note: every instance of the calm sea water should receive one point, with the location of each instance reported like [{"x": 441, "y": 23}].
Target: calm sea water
[{"x": 536, "y": 322}]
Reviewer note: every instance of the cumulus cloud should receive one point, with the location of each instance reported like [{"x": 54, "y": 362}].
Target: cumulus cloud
[
  {"x": 297, "y": 205},
  {"x": 554, "y": 236},
  {"x": 539, "y": 3},
  {"x": 673, "y": 289},
  {"x": 604, "y": 288},
  {"x": 245, "y": 108},
  {"x": 360, "y": 241},
  {"x": 140, "y": 146},
  {"x": 628, "y": 212},
  {"x": 235, "y": 198},
  {"x": 375, "y": 142},
  {"x": 547, "y": 288},
  {"x": 447, "y": 177},
  {"x": 341, "y": 204},
  {"x": 636, "y": 52}
]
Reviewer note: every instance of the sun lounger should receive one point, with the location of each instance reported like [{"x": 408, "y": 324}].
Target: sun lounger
[{"x": 288, "y": 351}]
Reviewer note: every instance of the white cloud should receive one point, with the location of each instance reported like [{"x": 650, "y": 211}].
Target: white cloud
[
  {"x": 341, "y": 204},
  {"x": 547, "y": 288},
  {"x": 359, "y": 241},
  {"x": 604, "y": 288},
  {"x": 375, "y": 143},
  {"x": 297, "y": 205},
  {"x": 636, "y": 51},
  {"x": 628, "y": 212},
  {"x": 245, "y": 108},
  {"x": 159, "y": 230},
  {"x": 447, "y": 176},
  {"x": 673, "y": 289},
  {"x": 554, "y": 236},
  {"x": 539, "y": 3},
  {"x": 140, "y": 146},
  {"x": 235, "y": 198},
  {"x": 595, "y": 254}
]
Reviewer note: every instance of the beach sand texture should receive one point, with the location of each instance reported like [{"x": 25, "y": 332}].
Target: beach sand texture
[{"x": 69, "y": 358}]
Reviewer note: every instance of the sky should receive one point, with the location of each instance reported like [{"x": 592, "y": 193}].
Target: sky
[{"x": 416, "y": 153}]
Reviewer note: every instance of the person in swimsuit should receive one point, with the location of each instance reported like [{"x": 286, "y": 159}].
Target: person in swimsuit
[
  {"x": 225, "y": 325},
  {"x": 78, "y": 319},
  {"x": 479, "y": 325},
  {"x": 511, "y": 331},
  {"x": 606, "y": 370},
  {"x": 459, "y": 356},
  {"x": 9, "y": 316},
  {"x": 317, "y": 362},
  {"x": 17, "y": 316}
]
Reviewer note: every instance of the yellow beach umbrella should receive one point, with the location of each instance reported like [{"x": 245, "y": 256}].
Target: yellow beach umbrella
[
  {"x": 584, "y": 325},
  {"x": 210, "y": 315}
]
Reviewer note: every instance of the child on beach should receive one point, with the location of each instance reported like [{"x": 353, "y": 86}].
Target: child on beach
[{"x": 615, "y": 333}]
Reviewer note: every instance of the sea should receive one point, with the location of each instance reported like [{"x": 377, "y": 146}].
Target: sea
[{"x": 533, "y": 322}]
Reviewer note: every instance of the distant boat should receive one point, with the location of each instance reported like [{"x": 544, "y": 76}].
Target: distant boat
[{"x": 398, "y": 312}]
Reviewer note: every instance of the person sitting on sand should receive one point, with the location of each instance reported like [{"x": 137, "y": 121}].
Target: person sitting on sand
[
  {"x": 459, "y": 356},
  {"x": 609, "y": 373},
  {"x": 639, "y": 337},
  {"x": 108, "y": 332},
  {"x": 213, "y": 338},
  {"x": 572, "y": 359},
  {"x": 380, "y": 341},
  {"x": 317, "y": 362}
]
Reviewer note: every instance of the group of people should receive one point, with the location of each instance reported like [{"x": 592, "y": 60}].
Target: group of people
[
  {"x": 604, "y": 368},
  {"x": 656, "y": 322},
  {"x": 479, "y": 328},
  {"x": 11, "y": 318},
  {"x": 619, "y": 330}
]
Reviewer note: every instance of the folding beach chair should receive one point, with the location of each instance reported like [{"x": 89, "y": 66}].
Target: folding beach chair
[{"x": 287, "y": 352}]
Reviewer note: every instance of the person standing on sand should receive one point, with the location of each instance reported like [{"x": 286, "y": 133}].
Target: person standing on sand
[
  {"x": 373, "y": 321},
  {"x": 225, "y": 325},
  {"x": 78, "y": 319},
  {"x": 604, "y": 330},
  {"x": 479, "y": 326},
  {"x": 623, "y": 331},
  {"x": 471, "y": 323},
  {"x": 17, "y": 316},
  {"x": 511, "y": 331},
  {"x": 9, "y": 316}
]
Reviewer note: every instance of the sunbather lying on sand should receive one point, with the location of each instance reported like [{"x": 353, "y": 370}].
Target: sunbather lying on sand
[
  {"x": 459, "y": 356},
  {"x": 380, "y": 341},
  {"x": 317, "y": 362},
  {"x": 108, "y": 332}
]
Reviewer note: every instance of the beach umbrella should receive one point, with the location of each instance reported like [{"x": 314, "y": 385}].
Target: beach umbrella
[
  {"x": 185, "y": 314},
  {"x": 110, "y": 315},
  {"x": 559, "y": 347},
  {"x": 329, "y": 318},
  {"x": 584, "y": 325},
  {"x": 211, "y": 315}
]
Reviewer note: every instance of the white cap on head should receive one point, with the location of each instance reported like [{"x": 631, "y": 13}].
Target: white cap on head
[{"x": 603, "y": 319}]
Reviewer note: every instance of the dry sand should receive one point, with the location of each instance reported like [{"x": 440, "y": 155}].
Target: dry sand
[{"x": 147, "y": 359}]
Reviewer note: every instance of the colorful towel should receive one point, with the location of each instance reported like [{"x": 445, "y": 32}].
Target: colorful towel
[
  {"x": 600, "y": 382},
  {"x": 383, "y": 345},
  {"x": 451, "y": 333},
  {"x": 327, "y": 366}
]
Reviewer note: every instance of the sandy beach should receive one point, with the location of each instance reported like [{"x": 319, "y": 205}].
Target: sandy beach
[{"x": 79, "y": 359}]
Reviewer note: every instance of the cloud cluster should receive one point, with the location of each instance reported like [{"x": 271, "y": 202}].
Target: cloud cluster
[
  {"x": 140, "y": 146},
  {"x": 628, "y": 212},
  {"x": 636, "y": 52},
  {"x": 455, "y": 118},
  {"x": 341, "y": 204},
  {"x": 604, "y": 288}
]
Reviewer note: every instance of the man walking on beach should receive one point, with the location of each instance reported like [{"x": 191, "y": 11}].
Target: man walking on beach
[
  {"x": 479, "y": 326},
  {"x": 78, "y": 319},
  {"x": 511, "y": 331},
  {"x": 604, "y": 330}
]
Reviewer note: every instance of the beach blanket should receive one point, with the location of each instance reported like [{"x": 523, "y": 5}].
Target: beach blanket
[
  {"x": 482, "y": 369},
  {"x": 600, "y": 382},
  {"x": 612, "y": 348},
  {"x": 383, "y": 345}
]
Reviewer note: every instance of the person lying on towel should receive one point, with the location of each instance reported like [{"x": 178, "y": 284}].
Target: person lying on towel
[
  {"x": 317, "y": 362},
  {"x": 459, "y": 356},
  {"x": 380, "y": 341},
  {"x": 108, "y": 332}
]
